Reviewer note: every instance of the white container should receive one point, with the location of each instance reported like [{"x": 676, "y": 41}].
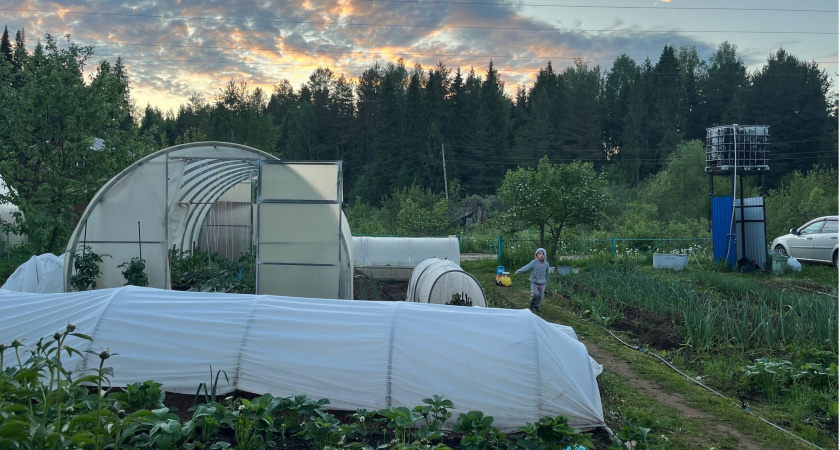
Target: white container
[
  {"x": 564, "y": 270},
  {"x": 670, "y": 261},
  {"x": 394, "y": 258}
]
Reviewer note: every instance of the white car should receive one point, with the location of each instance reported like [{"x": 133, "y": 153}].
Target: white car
[{"x": 814, "y": 241}]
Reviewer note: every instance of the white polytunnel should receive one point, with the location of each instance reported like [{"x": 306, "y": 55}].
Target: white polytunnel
[
  {"x": 509, "y": 364},
  {"x": 436, "y": 280},
  {"x": 228, "y": 198},
  {"x": 394, "y": 258}
]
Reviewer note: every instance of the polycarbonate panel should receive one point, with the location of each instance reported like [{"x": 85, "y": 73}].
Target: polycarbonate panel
[
  {"x": 723, "y": 240},
  {"x": 138, "y": 197},
  {"x": 299, "y": 233},
  {"x": 167, "y": 193},
  {"x": 755, "y": 241},
  {"x": 227, "y": 229},
  {"x": 297, "y": 181},
  {"x": 299, "y": 230},
  {"x": 299, "y": 281}
]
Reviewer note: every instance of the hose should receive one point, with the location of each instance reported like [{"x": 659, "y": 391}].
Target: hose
[{"x": 695, "y": 381}]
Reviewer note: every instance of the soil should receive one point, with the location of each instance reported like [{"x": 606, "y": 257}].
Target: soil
[
  {"x": 660, "y": 334},
  {"x": 678, "y": 402}
]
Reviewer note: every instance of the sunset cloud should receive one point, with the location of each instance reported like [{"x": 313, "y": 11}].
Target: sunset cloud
[{"x": 173, "y": 51}]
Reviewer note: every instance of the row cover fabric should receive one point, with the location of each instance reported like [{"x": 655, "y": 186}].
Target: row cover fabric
[
  {"x": 509, "y": 364},
  {"x": 394, "y": 258},
  {"x": 40, "y": 274},
  {"x": 436, "y": 280}
]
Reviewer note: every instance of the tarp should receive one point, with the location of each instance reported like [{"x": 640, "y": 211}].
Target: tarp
[
  {"x": 509, "y": 364},
  {"x": 40, "y": 274}
]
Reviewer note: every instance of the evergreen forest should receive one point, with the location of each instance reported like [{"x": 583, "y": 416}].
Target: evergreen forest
[{"x": 399, "y": 127}]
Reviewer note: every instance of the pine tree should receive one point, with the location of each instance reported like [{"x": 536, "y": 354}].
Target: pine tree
[
  {"x": 580, "y": 134},
  {"x": 617, "y": 88},
  {"x": 726, "y": 75},
  {"x": 668, "y": 127},
  {"x": 6, "y": 45},
  {"x": 791, "y": 96}
]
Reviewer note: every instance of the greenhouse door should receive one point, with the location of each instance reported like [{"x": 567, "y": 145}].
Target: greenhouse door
[{"x": 299, "y": 229}]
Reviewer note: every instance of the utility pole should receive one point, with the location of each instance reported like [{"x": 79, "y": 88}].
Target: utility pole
[{"x": 445, "y": 185}]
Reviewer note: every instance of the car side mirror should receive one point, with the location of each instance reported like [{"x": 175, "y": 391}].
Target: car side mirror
[{"x": 794, "y": 231}]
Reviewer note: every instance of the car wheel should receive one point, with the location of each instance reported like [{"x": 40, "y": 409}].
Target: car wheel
[
  {"x": 781, "y": 250},
  {"x": 835, "y": 260}
]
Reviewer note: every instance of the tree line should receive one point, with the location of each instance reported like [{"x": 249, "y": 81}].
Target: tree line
[{"x": 394, "y": 127}]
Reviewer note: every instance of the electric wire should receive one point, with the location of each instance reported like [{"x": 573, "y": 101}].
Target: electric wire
[
  {"x": 400, "y": 25},
  {"x": 357, "y": 52},
  {"x": 557, "y": 5}
]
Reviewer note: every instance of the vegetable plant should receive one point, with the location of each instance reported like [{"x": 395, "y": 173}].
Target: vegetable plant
[
  {"x": 135, "y": 272},
  {"x": 86, "y": 267}
]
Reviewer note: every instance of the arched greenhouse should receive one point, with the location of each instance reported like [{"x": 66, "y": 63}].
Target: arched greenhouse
[{"x": 227, "y": 198}]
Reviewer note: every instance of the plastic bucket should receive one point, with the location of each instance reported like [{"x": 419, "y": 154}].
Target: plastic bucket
[{"x": 778, "y": 263}]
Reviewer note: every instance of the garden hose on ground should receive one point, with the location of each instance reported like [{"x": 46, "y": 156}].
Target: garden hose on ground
[{"x": 671, "y": 366}]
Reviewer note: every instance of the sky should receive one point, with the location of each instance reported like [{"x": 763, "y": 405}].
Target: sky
[{"x": 178, "y": 48}]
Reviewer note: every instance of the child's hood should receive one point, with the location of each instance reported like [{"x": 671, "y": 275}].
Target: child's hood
[{"x": 539, "y": 250}]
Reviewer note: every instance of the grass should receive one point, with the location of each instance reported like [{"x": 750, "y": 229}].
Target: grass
[{"x": 798, "y": 411}]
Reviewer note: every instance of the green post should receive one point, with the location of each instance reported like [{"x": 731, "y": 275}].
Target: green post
[
  {"x": 612, "y": 245},
  {"x": 499, "y": 249}
]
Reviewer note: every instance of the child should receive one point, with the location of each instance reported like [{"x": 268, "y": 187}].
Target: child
[{"x": 539, "y": 275}]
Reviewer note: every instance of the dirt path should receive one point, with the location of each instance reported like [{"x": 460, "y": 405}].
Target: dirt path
[
  {"x": 652, "y": 389},
  {"x": 678, "y": 402}
]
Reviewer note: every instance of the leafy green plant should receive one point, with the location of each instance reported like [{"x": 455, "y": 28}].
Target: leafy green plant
[
  {"x": 135, "y": 272},
  {"x": 253, "y": 420},
  {"x": 165, "y": 432},
  {"x": 554, "y": 434},
  {"x": 364, "y": 422},
  {"x": 435, "y": 411},
  {"x": 769, "y": 376},
  {"x": 295, "y": 411},
  {"x": 478, "y": 431},
  {"x": 86, "y": 267},
  {"x": 400, "y": 419},
  {"x": 633, "y": 437},
  {"x": 208, "y": 271},
  {"x": 208, "y": 418},
  {"x": 145, "y": 395},
  {"x": 321, "y": 430}
]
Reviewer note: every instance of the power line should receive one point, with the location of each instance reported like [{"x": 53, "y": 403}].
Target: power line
[
  {"x": 369, "y": 25},
  {"x": 549, "y": 5},
  {"x": 501, "y": 69},
  {"x": 346, "y": 52}
]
